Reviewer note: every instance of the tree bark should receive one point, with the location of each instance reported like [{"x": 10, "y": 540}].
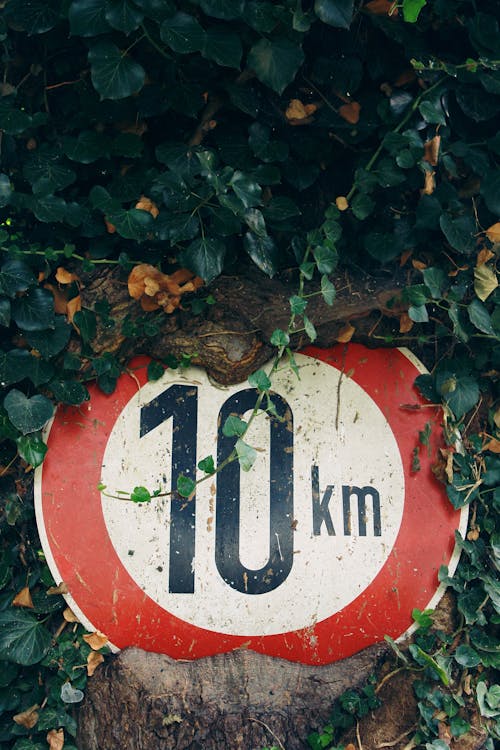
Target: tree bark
[
  {"x": 231, "y": 338},
  {"x": 240, "y": 701}
]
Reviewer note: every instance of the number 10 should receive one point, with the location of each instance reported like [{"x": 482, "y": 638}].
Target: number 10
[{"x": 180, "y": 403}]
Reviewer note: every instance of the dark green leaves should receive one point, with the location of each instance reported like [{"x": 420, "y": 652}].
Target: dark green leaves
[
  {"x": 15, "y": 276},
  {"x": 27, "y": 414},
  {"x": 459, "y": 232},
  {"x": 88, "y": 17},
  {"x": 5, "y": 190},
  {"x": 260, "y": 380},
  {"x": 32, "y": 449},
  {"x": 411, "y": 9},
  {"x": 115, "y": 75},
  {"x": 23, "y": 639},
  {"x": 205, "y": 257},
  {"x": 123, "y": 15},
  {"x": 234, "y": 426},
  {"x": 335, "y": 12},
  {"x": 275, "y": 62},
  {"x": 34, "y": 310},
  {"x": 182, "y": 33},
  {"x": 33, "y": 16}
]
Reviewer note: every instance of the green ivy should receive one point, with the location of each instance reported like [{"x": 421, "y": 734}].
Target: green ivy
[{"x": 187, "y": 103}]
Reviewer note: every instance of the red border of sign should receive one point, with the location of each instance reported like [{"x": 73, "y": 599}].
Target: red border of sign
[{"x": 80, "y": 552}]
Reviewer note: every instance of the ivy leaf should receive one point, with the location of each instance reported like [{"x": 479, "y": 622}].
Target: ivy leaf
[
  {"x": 86, "y": 322},
  {"x": 32, "y": 449},
  {"x": 205, "y": 257},
  {"x": 114, "y": 74},
  {"x": 132, "y": 224},
  {"x": 480, "y": 317},
  {"x": 234, "y": 426},
  {"x": 5, "y": 190},
  {"x": 140, "y": 495},
  {"x": 461, "y": 393},
  {"x": 260, "y": 380},
  {"x": 490, "y": 190},
  {"x": 326, "y": 259},
  {"x": 34, "y": 311},
  {"x": 27, "y": 414},
  {"x": 50, "y": 341},
  {"x": 248, "y": 191},
  {"x": 207, "y": 465},
  {"x": 13, "y": 121},
  {"x": 335, "y": 12},
  {"x": 87, "y": 147},
  {"x": 185, "y": 486},
  {"x": 466, "y": 656},
  {"x": 34, "y": 17},
  {"x": 434, "y": 280},
  {"x": 23, "y": 639},
  {"x": 226, "y": 9},
  {"x": 182, "y": 33},
  {"x": 15, "y": 276},
  {"x": 4, "y": 312},
  {"x": 411, "y": 9},
  {"x": 485, "y": 281},
  {"x": 418, "y": 313},
  {"x": 381, "y": 246},
  {"x": 263, "y": 252},
  {"x": 310, "y": 329},
  {"x": 223, "y": 47},
  {"x": 123, "y": 15},
  {"x": 459, "y": 232},
  {"x": 275, "y": 62},
  {"x": 246, "y": 454},
  {"x": 87, "y": 18},
  {"x": 279, "y": 337},
  {"x": 327, "y": 290},
  {"x": 297, "y": 304},
  {"x": 68, "y": 391}
]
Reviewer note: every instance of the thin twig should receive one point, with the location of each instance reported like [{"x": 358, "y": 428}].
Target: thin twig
[
  {"x": 358, "y": 737},
  {"x": 258, "y": 721},
  {"x": 398, "y": 739}
]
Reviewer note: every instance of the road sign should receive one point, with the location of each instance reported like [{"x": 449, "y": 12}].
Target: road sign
[{"x": 323, "y": 547}]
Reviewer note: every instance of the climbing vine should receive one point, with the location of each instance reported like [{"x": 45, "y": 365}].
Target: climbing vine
[{"x": 178, "y": 140}]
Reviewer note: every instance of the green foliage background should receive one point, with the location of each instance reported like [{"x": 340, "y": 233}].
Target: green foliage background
[{"x": 102, "y": 101}]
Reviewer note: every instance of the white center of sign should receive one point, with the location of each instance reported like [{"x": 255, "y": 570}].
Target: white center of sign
[{"x": 326, "y": 494}]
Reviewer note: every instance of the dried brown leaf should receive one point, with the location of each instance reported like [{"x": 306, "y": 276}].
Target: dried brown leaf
[
  {"x": 55, "y": 739},
  {"x": 345, "y": 334},
  {"x": 73, "y": 306},
  {"x": 419, "y": 265},
  {"x": 405, "y": 323},
  {"x": 382, "y": 7},
  {"x": 27, "y": 718},
  {"x": 429, "y": 183},
  {"x": 96, "y": 640},
  {"x": 485, "y": 281},
  {"x": 350, "y": 112},
  {"x": 431, "y": 150},
  {"x": 61, "y": 588},
  {"x": 484, "y": 256},
  {"x": 298, "y": 113},
  {"x": 493, "y": 233},
  {"x": 60, "y": 301},
  {"x": 492, "y": 445},
  {"x": 93, "y": 661},
  {"x": 342, "y": 203},
  {"x": 110, "y": 228},
  {"x": 146, "y": 204},
  {"x": 69, "y": 615},
  {"x": 23, "y": 599},
  {"x": 63, "y": 276},
  {"x": 407, "y": 76}
]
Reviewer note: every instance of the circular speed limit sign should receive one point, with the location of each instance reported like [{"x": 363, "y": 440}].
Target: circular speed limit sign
[{"x": 321, "y": 548}]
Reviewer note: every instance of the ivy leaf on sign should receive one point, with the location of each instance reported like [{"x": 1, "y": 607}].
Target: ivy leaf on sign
[
  {"x": 335, "y": 12},
  {"x": 27, "y": 414},
  {"x": 23, "y": 639},
  {"x": 114, "y": 74},
  {"x": 246, "y": 454},
  {"x": 275, "y": 62}
]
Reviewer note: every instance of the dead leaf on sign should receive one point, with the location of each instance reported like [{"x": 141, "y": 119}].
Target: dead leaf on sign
[
  {"x": 27, "y": 718},
  {"x": 96, "y": 640},
  {"x": 61, "y": 588},
  {"x": 23, "y": 599},
  {"x": 93, "y": 661},
  {"x": 55, "y": 739},
  {"x": 69, "y": 615},
  {"x": 345, "y": 334}
]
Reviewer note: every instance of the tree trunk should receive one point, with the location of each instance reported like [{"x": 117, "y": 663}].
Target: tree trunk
[{"x": 239, "y": 700}]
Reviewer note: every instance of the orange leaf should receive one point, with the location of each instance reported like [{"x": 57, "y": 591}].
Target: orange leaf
[
  {"x": 137, "y": 276},
  {"x": 110, "y": 227},
  {"x": 93, "y": 661},
  {"x": 342, "y": 203},
  {"x": 69, "y": 615},
  {"x": 429, "y": 183},
  {"x": 59, "y": 589},
  {"x": 60, "y": 301},
  {"x": 146, "y": 204},
  {"x": 405, "y": 257},
  {"x": 431, "y": 150},
  {"x": 23, "y": 599},
  {"x": 148, "y": 304},
  {"x": 484, "y": 256},
  {"x": 55, "y": 739},
  {"x": 27, "y": 718},
  {"x": 382, "y": 7},
  {"x": 297, "y": 111},
  {"x": 407, "y": 76},
  {"x": 96, "y": 640},
  {"x": 492, "y": 445},
  {"x": 405, "y": 323},
  {"x": 73, "y": 306},
  {"x": 345, "y": 334},
  {"x": 65, "y": 277},
  {"x": 350, "y": 112},
  {"x": 493, "y": 233},
  {"x": 419, "y": 265}
]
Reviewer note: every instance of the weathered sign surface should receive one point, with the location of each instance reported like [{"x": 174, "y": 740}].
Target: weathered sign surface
[{"x": 323, "y": 547}]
